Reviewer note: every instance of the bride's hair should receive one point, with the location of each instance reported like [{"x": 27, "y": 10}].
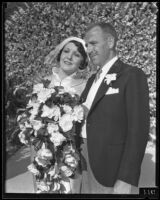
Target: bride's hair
[{"x": 81, "y": 50}]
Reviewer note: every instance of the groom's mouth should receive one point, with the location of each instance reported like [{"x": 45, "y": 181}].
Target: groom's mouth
[{"x": 92, "y": 56}]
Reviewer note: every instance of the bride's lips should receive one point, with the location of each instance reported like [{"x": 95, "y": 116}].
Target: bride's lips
[{"x": 67, "y": 62}]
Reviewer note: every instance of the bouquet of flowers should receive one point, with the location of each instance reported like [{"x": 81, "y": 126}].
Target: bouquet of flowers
[{"x": 48, "y": 124}]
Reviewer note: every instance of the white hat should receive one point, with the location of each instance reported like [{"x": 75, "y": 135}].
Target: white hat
[{"x": 50, "y": 58}]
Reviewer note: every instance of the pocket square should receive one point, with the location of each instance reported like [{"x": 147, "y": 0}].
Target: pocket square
[{"x": 112, "y": 91}]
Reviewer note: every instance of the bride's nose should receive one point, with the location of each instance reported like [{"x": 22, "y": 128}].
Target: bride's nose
[{"x": 69, "y": 56}]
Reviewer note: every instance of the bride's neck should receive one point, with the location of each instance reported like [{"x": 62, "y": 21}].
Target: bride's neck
[{"x": 62, "y": 74}]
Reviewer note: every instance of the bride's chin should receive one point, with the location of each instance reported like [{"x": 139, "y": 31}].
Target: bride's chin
[{"x": 67, "y": 71}]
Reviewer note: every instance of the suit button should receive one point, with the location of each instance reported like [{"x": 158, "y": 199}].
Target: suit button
[{"x": 88, "y": 124}]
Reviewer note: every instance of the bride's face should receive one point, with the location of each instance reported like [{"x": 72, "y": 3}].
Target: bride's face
[{"x": 70, "y": 59}]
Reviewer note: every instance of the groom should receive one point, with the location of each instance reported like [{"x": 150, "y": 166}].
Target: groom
[{"x": 117, "y": 124}]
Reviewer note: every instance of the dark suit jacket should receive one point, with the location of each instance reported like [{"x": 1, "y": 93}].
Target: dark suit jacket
[{"x": 118, "y": 126}]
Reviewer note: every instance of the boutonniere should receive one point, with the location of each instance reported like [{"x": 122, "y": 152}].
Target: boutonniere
[{"x": 109, "y": 78}]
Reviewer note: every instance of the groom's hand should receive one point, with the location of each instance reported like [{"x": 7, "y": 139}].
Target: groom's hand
[{"x": 121, "y": 187}]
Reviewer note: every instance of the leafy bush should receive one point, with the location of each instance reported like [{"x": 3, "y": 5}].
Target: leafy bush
[{"x": 33, "y": 31}]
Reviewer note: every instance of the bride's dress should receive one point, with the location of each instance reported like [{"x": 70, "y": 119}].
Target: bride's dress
[
  {"x": 72, "y": 81},
  {"x": 77, "y": 85}
]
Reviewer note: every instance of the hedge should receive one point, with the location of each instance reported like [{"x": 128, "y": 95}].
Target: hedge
[{"x": 33, "y": 30}]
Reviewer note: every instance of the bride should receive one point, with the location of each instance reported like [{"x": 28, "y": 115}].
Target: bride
[{"x": 72, "y": 60}]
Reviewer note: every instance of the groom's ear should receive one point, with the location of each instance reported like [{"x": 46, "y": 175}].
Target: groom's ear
[{"x": 111, "y": 41}]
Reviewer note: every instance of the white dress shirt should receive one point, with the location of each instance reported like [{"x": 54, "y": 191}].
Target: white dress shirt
[{"x": 93, "y": 90}]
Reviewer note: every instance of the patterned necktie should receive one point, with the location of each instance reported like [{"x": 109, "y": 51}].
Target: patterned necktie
[{"x": 99, "y": 71}]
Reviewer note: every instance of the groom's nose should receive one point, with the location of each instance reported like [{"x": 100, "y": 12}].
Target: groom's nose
[{"x": 89, "y": 49}]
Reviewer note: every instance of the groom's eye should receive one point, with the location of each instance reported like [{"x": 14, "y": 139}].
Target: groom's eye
[{"x": 93, "y": 43}]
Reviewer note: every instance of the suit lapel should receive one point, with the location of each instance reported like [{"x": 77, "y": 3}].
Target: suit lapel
[
  {"x": 104, "y": 87},
  {"x": 87, "y": 88}
]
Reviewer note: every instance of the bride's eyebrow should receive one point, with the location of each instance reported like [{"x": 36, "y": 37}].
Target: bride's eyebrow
[{"x": 76, "y": 51}]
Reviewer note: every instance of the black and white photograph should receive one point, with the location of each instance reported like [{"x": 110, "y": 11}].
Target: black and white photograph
[{"x": 79, "y": 99}]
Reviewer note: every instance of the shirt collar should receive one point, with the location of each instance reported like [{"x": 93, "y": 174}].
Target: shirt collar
[{"x": 109, "y": 64}]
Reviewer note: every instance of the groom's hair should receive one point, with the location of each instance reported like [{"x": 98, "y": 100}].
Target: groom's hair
[
  {"x": 107, "y": 28},
  {"x": 81, "y": 50}
]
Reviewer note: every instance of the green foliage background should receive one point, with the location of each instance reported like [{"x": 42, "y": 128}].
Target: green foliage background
[{"x": 33, "y": 31}]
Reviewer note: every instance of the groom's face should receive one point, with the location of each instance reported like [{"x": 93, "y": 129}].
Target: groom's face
[{"x": 97, "y": 46}]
